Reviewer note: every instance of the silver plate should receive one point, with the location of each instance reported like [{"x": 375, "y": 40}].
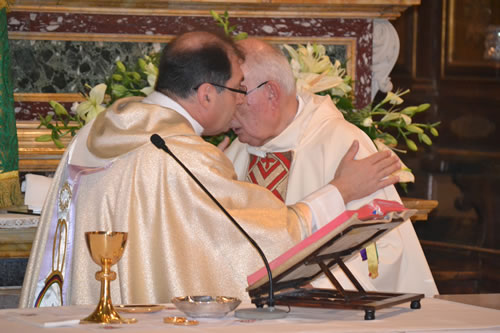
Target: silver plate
[{"x": 206, "y": 306}]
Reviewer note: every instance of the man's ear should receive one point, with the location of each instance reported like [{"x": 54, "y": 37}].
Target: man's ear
[
  {"x": 205, "y": 94},
  {"x": 273, "y": 90}
]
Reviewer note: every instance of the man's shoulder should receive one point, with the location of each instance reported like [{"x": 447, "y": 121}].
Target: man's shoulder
[{"x": 235, "y": 148}]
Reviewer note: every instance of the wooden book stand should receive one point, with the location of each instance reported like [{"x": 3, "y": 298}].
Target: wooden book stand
[{"x": 300, "y": 267}]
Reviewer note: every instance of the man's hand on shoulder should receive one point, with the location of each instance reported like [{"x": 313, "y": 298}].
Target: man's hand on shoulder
[
  {"x": 356, "y": 179},
  {"x": 224, "y": 144}
]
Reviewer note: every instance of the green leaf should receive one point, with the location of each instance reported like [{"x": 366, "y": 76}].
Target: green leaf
[
  {"x": 58, "y": 108},
  {"x": 434, "y": 131},
  {"x": 390, "y": 117},
  {"x": 120, "y": 66},
  {"x": 425, "y": 138},
  {"x": 240, "y": 36},
  {"x": 142, "y": 64},
  {"x": 44, "y": 138},
  {"x": 389, "y": 140},
  {"x": 409, "y": 111},
  {"x": 118, "y": 90},
  {"x": 414, "y": 129},
  {"x": 344, "y": 103},
  {"x": 136, "y": 76},
  {"x": 117, "y": 77},
  {"x": 58, "y": 143},
  {"x": 423, "y": 107},
  {"x": 411, "y": 145},
  {"x": 215, "y": 15}
]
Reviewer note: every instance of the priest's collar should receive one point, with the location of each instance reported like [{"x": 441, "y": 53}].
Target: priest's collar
[
  {"x": 285, "y": 141},
  {"x": 162, "y": 100}
]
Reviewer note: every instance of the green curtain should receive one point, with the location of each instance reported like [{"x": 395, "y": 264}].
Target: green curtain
[{"x": 10, "y": 192}]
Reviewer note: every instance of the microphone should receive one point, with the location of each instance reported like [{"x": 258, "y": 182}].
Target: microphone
[{"x": 259, "y": 313}]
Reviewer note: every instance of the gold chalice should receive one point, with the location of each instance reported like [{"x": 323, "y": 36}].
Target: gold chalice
[{"x": 106, "y": 248}]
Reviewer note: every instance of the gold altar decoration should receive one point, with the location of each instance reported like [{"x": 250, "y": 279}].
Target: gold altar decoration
[{"x": 106, "y": 249}]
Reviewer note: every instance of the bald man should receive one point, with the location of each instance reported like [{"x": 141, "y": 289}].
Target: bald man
[{"x": 292, "y": 143}]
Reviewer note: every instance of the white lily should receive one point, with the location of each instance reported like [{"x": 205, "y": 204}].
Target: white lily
[
  {"x": 394, "y": 98},
  {"x": 406, "y": 119},
  {"x": 89, "y": 109},
  {"x": 314, "y": 71},
  {"x": 405, "y": 175},
  {"x": 317, "y": 82},
  {"x": 367, "y": 122},
  {"x": 152, "y": 71}
]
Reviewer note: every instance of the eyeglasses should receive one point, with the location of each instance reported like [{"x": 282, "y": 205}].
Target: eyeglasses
[
  {"x": 260, "y": 85},
  {"x": 242, "y": 90}
]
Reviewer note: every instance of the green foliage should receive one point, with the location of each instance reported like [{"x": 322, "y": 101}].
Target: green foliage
[
  {"x": 388, "y": 122},
  {"x": 223, "y": 22},
  {"x": 126, "y": 82},
  {"x": 122, "y": 82},
  {"x": 60, "y": 123}
]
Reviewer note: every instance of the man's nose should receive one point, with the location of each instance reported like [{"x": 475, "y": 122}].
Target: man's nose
[{"x": 240, "y": 99}]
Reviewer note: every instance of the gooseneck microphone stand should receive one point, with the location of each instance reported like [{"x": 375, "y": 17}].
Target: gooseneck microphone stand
[{"x": 258, "y": 313}]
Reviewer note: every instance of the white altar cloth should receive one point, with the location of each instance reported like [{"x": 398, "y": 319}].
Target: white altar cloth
[
  {"x": 18, "y": 221},
  {"x": 435, "y": 316}
]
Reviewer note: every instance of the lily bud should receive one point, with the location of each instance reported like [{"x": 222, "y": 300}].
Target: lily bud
[{"x": 411, "y": 145}]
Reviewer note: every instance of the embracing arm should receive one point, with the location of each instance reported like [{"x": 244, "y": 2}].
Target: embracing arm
[{"x": 356, "y": 179}]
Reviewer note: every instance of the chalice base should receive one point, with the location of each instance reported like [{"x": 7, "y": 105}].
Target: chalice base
[{"x": 106, "y": 315}]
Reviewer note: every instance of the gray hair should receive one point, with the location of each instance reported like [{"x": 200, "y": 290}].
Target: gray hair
[{"x": 269, "y": 63}]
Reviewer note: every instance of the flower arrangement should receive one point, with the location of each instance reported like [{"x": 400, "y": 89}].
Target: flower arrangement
[
  {"x": 122, "y": 83},
  {"x": 314, "y": 72},
  {"x": 384, "y": 123}
]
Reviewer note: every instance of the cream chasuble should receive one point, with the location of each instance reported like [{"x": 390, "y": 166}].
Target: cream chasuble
[
  {"x": 179, "y": 242},
  {"x": 319, "y": 137}
]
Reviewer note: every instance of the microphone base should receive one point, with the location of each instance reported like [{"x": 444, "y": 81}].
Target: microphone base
[{"x": 261, "y": 313}]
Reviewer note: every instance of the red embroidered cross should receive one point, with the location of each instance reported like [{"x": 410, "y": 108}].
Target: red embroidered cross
[{"x": 271, "y": 172}]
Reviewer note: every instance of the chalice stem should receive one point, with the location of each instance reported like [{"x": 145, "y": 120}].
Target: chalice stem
[
  {"x": 105, "y": 312},
  {"x": 105, "y": 304}
]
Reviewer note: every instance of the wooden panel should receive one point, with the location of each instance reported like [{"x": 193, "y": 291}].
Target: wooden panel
[
  {"x": 16, "y": 243},
  {"x": 37, "y": 156},
  {"x": 461, "y": 170},
  {"x": 464, "y": 26}
]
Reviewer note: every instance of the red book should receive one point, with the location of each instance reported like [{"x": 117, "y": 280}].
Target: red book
[{"x": 378, "y": 210}]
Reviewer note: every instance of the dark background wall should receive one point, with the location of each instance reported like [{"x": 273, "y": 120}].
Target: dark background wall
[{"x": 441, "y": 61}]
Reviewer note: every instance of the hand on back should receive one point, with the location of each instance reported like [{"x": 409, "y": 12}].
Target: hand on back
[{"x": 356, "y": 179}]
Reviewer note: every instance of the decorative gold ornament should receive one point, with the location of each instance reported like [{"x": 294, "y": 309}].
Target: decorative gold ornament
[
  {"x": 65, "y": 197},
  {"x": 106, "y": 248}
]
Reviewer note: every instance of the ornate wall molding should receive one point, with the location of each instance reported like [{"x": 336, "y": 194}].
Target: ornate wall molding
[
  {"x": 390, "y": 9},
  {"x": 385, "y": 55}
]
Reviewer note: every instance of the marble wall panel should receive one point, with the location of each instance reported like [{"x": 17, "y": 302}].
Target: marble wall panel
[
  {"x": 66, "y": 66},
  {"x": 60, "y": 52},
  {"x": 43, "y": 66}
]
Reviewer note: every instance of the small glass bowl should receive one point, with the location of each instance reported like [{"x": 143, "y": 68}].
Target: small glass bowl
[{"x": 206, "y": 306}]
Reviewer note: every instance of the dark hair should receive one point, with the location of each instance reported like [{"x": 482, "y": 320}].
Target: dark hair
[{"x": 184, "y": 67}]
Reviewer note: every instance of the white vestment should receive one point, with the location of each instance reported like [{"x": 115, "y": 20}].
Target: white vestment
[
  {"x": 112, "y": 178},
  {"x": 319, "y": 137}
]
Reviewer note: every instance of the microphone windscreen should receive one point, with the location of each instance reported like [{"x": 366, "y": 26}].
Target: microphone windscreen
[{"x": 157, "y": 141}]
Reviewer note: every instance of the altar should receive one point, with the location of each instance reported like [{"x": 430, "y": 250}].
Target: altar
[
  {"x": 435, "y": 316},
  {"x": 17, "y": 232}
]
